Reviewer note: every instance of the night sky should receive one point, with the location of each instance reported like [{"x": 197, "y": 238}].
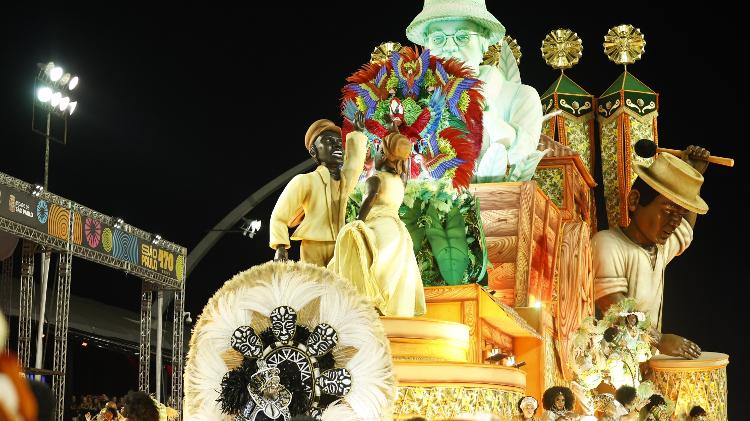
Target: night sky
[{"x": 185, "y": 112}]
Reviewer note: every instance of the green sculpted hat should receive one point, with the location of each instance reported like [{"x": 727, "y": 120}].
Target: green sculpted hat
[{"x": 438, "y": 10}]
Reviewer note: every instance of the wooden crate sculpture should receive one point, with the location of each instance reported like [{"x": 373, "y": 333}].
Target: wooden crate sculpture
[
  {"x": 522, "y": 227},
  {"x": 565, "y": 179}
]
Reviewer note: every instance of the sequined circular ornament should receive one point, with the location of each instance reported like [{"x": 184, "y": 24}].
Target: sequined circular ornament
[
  {"x": 561, "y": 48},
  {"x": 382, "y": 52},
  {"x": 624, "y": 44},
  {"x": 514, "y": 47},
  {"x": 492, "y": 55}
]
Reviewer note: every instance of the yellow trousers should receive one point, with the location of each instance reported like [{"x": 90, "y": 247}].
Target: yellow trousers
[{"x": 317, "y": 252}]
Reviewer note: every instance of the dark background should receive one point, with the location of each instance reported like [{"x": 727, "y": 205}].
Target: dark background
[{"x": 186, "y": 111}]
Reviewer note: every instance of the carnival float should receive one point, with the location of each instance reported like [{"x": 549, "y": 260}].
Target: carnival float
[{"x": 494, "y": 185}]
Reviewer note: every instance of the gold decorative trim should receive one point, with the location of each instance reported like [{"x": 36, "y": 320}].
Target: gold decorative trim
[
  {"x": 446, "y": 402},
  {"x": 640, "y": 105},
  {"x": 494, "y": 52},
  {"x": 625, "y": 110},
  {"x": 708, "y": 360},
  {"x": 514, "y": 48},
  {"x": 492, "y": 55},
  {"x": 707, "y": 388},
  {"x": 383, "y": 51},
  {"x": 686, "y": 370},
  {"x": 451, "y": 293},
  {"x": 469, "y": 318},
  {"x": 576, "y": 108}
]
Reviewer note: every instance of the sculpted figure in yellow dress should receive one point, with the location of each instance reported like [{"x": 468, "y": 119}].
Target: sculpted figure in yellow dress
[{"x": 375, "y": 252}]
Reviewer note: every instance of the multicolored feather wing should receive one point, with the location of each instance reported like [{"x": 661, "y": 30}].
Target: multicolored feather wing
[
  {"x": 436, "y": 106},
  {"x": 423, "y": 64},
  {"x": 454, "y": 90},
  {"x": 380, "y": 78},
  {"x": 440, "y": 74},
  {"x": 445, "y": 109},
  {"x": 349, "y": 109},
  {"x": 369, "y": 97},
  {"x": 421, "y": 122}
]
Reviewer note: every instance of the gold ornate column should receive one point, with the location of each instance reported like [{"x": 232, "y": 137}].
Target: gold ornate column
[
  {"x": 574, "y": 126},
  {"x": 626, "y": 112}
]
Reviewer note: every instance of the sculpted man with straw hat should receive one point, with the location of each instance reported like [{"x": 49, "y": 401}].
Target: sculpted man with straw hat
[
  {"x": 464, "y": 30},
  {"x": 315, "y": 202},
  {"x": 629, "y": 262}
]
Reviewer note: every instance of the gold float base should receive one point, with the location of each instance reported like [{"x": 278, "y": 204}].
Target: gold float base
[
  {"x": 439, "y": 390},
  {"x": 446, "y": 402},
  {"x": 687, "y": 383}
]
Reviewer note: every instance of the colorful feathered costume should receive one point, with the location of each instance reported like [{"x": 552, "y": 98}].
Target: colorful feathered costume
[{"x": 435, "y": 102}]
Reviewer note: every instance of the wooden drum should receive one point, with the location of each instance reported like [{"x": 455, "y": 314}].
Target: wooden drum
[{"x": 687, "y": 383}]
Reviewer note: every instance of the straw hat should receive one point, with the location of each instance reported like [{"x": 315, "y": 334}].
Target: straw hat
[
  {"x": 438, "y": 10},
  {"x": 676, "y": 180}
]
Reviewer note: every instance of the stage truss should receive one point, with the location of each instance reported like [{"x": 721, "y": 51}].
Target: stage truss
[{"x": 47, "y": 222}]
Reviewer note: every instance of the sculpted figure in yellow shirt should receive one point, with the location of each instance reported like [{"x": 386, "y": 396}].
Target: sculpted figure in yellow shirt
[{"x": 315, "y": 203}]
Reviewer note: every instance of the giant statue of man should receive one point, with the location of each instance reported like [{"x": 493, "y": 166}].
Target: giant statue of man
[{"x": 464, "y": 30}]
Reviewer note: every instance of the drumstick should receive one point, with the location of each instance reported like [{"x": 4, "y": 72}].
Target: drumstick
[{"x": 647, "y": 148}]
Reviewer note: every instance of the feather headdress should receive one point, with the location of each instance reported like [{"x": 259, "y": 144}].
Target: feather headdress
[{"x": 286, "y": 339}]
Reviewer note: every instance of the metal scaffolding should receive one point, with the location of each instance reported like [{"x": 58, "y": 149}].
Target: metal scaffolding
[
  {"x": 69, "y": 245},
  {"x": 26, "y": 303},
  {"x": 61, "y": 330},
  {"x": 6, "y": 289},
  {"x": 144, "y": 352},
  {"x": 178, "y": 330}
]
